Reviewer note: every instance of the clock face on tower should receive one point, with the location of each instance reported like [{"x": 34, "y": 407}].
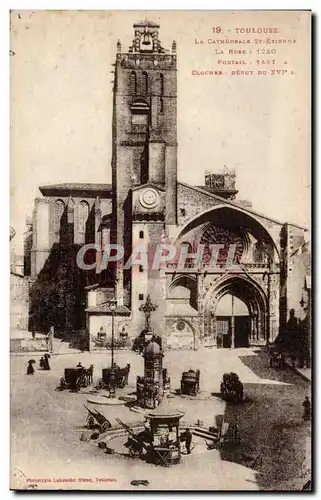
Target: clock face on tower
[{"x": 149, "y": 198}]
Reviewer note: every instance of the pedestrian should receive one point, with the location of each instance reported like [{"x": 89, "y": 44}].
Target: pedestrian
[
  {"x": 188, "y": 442},
  {"x": 306, "y": 408},
  {"x": 30, "y": 369},
  {"x": 290, "y": 341},
  {"x": 33, "y": 333},
  {"x": 46, "y": 365}
]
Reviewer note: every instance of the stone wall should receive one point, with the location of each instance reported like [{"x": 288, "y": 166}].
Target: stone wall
[
  {"x": 19, "y": 298},
  {"x": 181, "y": 333},
  {"x": 298, "y": 267}
]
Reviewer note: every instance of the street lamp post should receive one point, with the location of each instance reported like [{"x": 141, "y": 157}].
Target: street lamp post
[{"x": 112, "y": 307}]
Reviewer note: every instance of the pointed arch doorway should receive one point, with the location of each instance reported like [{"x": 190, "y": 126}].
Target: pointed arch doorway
[
  {"x": 232, "y": 313},
  {"x": 236, "y": 313}
]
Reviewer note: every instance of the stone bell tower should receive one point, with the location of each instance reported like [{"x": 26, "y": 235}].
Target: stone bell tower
[{"x": 144, "y": 159}]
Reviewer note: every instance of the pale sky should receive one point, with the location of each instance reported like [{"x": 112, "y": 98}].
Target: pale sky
[{"x": 61, "y": 106}]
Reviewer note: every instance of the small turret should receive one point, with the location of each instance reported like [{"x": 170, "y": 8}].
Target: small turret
[{"x": 221, "y": 183}]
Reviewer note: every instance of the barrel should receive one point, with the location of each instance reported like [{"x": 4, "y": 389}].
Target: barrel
[{"x": 189, "y": 377}]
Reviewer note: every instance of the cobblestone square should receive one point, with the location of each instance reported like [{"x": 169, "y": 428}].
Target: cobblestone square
[{"x": 273, "y": 454}]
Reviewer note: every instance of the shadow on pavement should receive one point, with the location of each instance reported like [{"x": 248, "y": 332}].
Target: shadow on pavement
[
  {"x": 260, "y": 366},
  {"x": 272, "y": 431}
]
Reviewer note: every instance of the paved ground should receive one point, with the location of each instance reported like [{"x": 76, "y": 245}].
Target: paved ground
[{"x": 274, "y": 454}]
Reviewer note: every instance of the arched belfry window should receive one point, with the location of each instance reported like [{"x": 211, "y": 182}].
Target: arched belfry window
[
  {"x": 161, "y": 84},
  {"x": 83, "y": 216},
  {"x": 59, "y": 210},
  {"x": 70, "y": 210},
  {"x": 144, "y": 88},
  {"x": 133, "y": 83},
  {"x": 140, "y": 112}
]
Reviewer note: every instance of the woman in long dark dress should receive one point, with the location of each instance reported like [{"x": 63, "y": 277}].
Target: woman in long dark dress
[
  {"x": 30, "y": 369},
  {"x": 46, "y": 365}
]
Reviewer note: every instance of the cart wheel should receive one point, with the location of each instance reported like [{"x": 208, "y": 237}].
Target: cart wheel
[
  {"x": 78, "y": 384},
  {"x": 63, "y": 384},
  {"x": 90, "y": 422},
  {"x": 104, "y": 427}
]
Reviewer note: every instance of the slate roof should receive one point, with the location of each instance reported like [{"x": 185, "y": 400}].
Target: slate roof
[{"x": 73, "y": 188}]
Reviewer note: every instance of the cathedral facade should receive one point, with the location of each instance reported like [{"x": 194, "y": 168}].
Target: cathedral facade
[{"x": 234, "y": 300}]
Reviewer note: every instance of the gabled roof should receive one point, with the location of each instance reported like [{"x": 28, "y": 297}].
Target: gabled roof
[
  {"x": 149, "y": 184},
  {"x": 235, "y": 205}
]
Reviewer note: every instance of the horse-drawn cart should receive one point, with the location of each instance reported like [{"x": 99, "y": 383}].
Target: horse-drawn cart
[
  {"x": 231, "y": 387},
  {"x": 190, "y": 382},
  {"x": 121, "y": 377},
  {"x": 76, "y": 378}
]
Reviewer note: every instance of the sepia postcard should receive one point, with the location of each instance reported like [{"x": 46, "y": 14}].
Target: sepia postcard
[{"x": 160, "y": 313}]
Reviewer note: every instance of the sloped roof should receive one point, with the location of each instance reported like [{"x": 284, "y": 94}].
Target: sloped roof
[
  {"x": 105, "y": 308},
  {"x": 165, "y": 410},
  {"x": 149, "y": 184},
  {"x": 68, "y": 188},
  {"x": 236, "y": 205},
  {"x": 146, "y": 22}
]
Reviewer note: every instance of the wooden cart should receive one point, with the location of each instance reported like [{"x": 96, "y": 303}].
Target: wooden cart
[
  {"x": 231, "y": 387},
  {"x": 121, "y": 377},
  {"x": 75, "y": 379},
  {"x": 190, "y": 382}
]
